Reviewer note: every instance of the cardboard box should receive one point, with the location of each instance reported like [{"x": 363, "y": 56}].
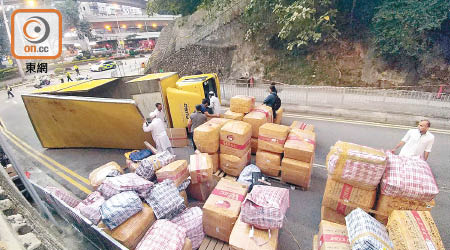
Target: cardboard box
[
  {"x": 242, "y": 103},
  {"x": 279, "y": 117},
  {"x": 266, "y": 110},
  {"x": 222, "y": 208},
  {"x": 187, "y": 244},
  {"x": 233, "y": 165},
  {"x": 215, "y": 161},
  {"x": 201, "y": 191},
  {"x": 410, "y": 230},
  {"x": 254, "y": 145},
  {"x": 206, "y": 137},
  {"x": 235, "y": 138},
  {"x": 272, "y": 137},
  {"x": 176, "y": 171},
  {"x": 302, "y": 126},
  {"x": 256, "y": 119},
  {"x": 178, "y": 137},
  {"x": 132, "y": 230},
  {"x": 184, "y": 195},
  {"x": 268, "y": 162},
  {"x": 239, "y": 238},
  {"x": 98, "y": 175},
  {"x": 336, "y": 194},
  {"x": 386, "y": 204},
  {"x": 300, "y": 145},
  {"x": 333, "y": 236},
  {"x": 220, "y": 121},
  {"x": 200, "y": 168},
  {"x": 233, "y": 115},
  {"x": 329, "y": 214},
  {"x": 296, "y": 172}
]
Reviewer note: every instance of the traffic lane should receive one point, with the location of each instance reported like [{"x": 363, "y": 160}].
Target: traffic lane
[{"x": 328, "y": 133}]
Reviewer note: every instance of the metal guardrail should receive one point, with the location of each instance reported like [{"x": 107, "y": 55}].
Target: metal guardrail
[{"x": 403, "y": 101}]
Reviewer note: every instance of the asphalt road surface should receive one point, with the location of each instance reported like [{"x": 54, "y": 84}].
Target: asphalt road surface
[{"x": 303, "y": 216}]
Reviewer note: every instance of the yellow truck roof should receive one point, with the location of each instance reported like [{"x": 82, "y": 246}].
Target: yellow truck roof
[
  {"x": 186, "y": 80},
  {"x": 86, "y": 86},
  {"x": 57, "y": 87},
  {"x": 153, "y": 76}
]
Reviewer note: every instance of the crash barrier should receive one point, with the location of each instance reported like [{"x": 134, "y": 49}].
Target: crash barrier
[
  {"x": 372, "y": 99},
  {"x": 89, "y": 231}
]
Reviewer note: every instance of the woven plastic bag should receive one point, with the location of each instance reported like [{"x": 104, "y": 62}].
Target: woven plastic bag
[
  {"x": 126, "y": 182},
  {"x": 192, "y": 220},
  {"x": 165, "y": 200},
  {"x": 119, "y": 208},
  {"x": 90, "y": 207}
]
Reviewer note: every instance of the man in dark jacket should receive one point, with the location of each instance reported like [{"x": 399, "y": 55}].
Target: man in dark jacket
[{"x": 271, "y": 100}]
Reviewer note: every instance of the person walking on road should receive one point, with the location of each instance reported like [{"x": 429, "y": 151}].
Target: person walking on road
[
  {"x": 75, "y": 67},
  {"x": 196, "y": 119},
  {"x": 69, "y": 78},
  {"x": 273, "y": 101},
  {"x": 417, "y": 141},
  {"x": 158, "y": 129},
  {"x": 215, "y": 103},
  {"x": 9, "y": 91}
]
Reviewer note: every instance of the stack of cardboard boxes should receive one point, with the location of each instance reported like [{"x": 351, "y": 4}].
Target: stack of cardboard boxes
[
  {"x": 258, "y": 117},
  {"x": 296, "y": 166},
  {"x": 271, "y": 139},
  {"x": 201, "y": 172},
  {"x": 239, "y": 106},
  {"x": 235, "y": 151}
]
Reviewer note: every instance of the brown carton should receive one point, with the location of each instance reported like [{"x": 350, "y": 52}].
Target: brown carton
[
  {"x": 343, "y": 198},
  {"x": 333, "y": 236},
  {"x": 254, "y": 145},
  {"x": 215, "y": 161},
  {"x": 176, "y": 171},
  {"x": 184, "y": 195},
  {"x": 240, "y": 240},
  {"x": 411, "y": 230},
  {"x": 242, "y": 103},
  {"x": 98, "y": 175},
  {"x": 200, "y": 168},
  {"x": 132, "y": 230},
  {"x": 300, "y": 145},
  {"x": 233, "y": 115},
  {"x": 233, "y": 165},
  {"x": 266, "y": 110},
  {"x": 201, "y": 191},
  {"x": 220, "y": 121},
  {"x": 279, "y": 112},
  {"x": 296, "y": 172},
  {"x": 235, "y": 138},
  {"x": 178, "y": 137},
  {"x": 222, "y": 208},
  {"x": 386, "y": 204},
  {"x": 187, "y": 244},
  {"x": 269, "y": 163},
  {"x": 206, "y": 137},
  {"x": 272, "y": 137},
  {"x": 302, "y": 126},
  {"x": 256, "y": 119},
  {"x": 331, "y": 215}
]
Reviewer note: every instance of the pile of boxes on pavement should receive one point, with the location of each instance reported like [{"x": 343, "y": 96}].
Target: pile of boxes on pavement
[{"x": 399, "y": 191}]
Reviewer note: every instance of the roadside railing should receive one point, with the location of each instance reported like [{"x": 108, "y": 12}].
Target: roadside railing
[{"x": 386, "y": 100}]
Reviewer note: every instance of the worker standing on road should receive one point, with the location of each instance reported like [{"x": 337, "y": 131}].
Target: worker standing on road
[
  {"x": 196, "y": 119},
  {"x": 9, "y": 91},
  {"x": 208, "y": 111},
  {"x": 417, "y": 142},
  {"x": 158, "y": 129},
  {"x": 158, "y": 112},
  {"x": 75, "y": 67},
  {"x": 215, "y": 103},
  {"x": 68, "y": 76},
  {"x": 273, "y": 101}
]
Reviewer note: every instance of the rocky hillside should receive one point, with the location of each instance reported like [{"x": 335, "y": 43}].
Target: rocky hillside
[{"x": 201, "y": 42}]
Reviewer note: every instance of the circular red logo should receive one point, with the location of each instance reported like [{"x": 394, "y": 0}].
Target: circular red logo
[
  {"x": 230, "y": 137},
  {"x": 222, "y": 203}
]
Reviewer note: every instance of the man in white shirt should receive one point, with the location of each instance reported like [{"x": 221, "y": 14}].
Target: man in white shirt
[
  {"x": 214, "y": 103},
  {"x": 417, "y": 142},
  {"x": 158, "y": 129},
  {"x": 158, "y": 113}
]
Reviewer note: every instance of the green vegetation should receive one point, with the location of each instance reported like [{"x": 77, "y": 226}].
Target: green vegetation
[{"x": 71, "y": 18}]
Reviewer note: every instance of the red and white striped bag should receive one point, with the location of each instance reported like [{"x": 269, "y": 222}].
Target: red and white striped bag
[
  {"x": 90, "y": 207},
  {"x": 265, "y": 207},
  {"x": 192, "y": 220},
  {"x": 163, "y": 235}
]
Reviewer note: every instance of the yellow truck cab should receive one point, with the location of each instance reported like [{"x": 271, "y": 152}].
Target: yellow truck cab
[{"x": 109, "y": 113}]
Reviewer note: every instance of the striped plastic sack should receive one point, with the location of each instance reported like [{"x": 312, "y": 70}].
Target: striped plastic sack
[
  {"x": 163, "y": 235},
  {"x": 165, "y": 200},
  {"x": 90, "y": 207},
  {"x": 265, "y": 207},
  {"x": 63, "y": 195},
  {"x": 126, "y": 182},
  {"x": 158, "y": 161},
  {"x": 119, "y": 208},
  {"x": 366, "y": 233},
  {"x": 192, "y": 220},
  {"x": 408, "y": 177}
]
